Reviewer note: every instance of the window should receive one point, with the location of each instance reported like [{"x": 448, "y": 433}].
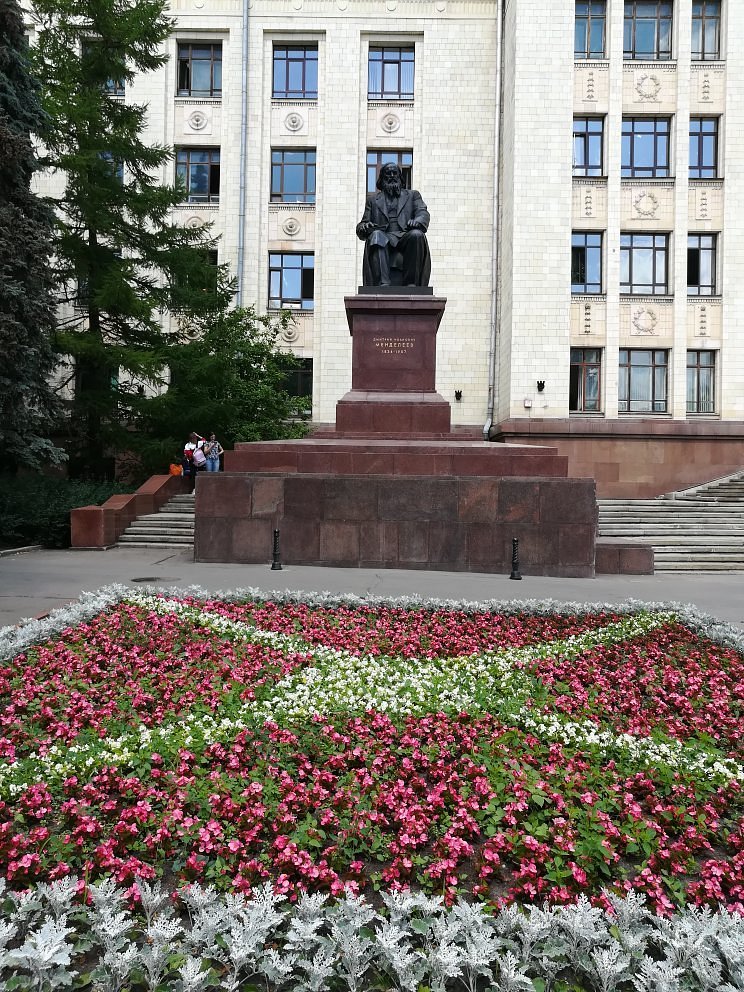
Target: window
[
  {"x": 585, "y": 378},
  {"x": 199, "y": 170},
  {"x": 115, "y": 87},
  {"x": 376, "y": 160},
  {"x": 291, "y": 281},
  {"x": 701, "y": 264},
  {"x": 299, "y": 381},
  {"x": 390, "y": 74},
  {"x": 295, "y": 72},
  {"x": 200, "y": 69},
  {"x": 588, "y": 143},
  {"x": 643, "y": 264},
  {"x": 703, "y": 147},
  {"x": 706, "y": 30},
  {"x": 648, "y": 30},
  {"x": 645, "y": 148},
  {"x": 589, "y": 29},
  {"x": 292, "y": 176},
  {"x": 114, "y": 166},
  {"x": 91, "y": 47},
  {"x": 701, "y": 381},
  {"x": 586, "y": 262},
  {"x": 642, "y": 381}
]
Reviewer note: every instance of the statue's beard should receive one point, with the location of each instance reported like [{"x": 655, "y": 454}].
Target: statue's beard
[{"x": 391, "y": 188}]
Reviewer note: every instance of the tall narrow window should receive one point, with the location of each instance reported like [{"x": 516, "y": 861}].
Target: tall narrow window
[
  {"x": 701, "y": 264},
  {"x": 642, "y": 381},
  {"x": 706, "y": 30},
  {"x": 701, "y": 382},
  {"x": 643, "y": 264},
  {"x": 585, "y": 380},
  {"x": 291, "y": 281},
  {"x": 589, "y": 29},
  {"x": 645, "y": 147},
  {"x": 647, "y": 30},
  {"x": 376, "y": 160},
  {"x": 199, "y": 171},
  {"x": 390, "y": 73},
  {"x": 295, "y": 72},
  {"x": 200, "y": 69},
  {"x": 586, "y": 262},
  {"x": 292, "y": 176},
  {"x": 588, "y": 145},
  {"x": 703, "y": 148}
]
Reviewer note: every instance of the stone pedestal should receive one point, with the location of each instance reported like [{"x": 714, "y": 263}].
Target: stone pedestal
[{"x": 393, "y": 367}]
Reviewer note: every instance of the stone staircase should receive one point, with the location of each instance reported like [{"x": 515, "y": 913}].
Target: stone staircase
[
  {"x": 171, "y": 527},
  {"x": 695, "y": 530}
]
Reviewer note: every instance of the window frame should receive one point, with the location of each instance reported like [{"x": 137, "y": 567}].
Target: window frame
[
  {"x": 385, "y": 157},
  {"x": 658, "y": 400},
  {"x": 590, "y": 18},
  {"x": 282, "y": 195},
  {"x": 212, "y": 166},
  {"x": 586, "y": 287},
  {"x": 385, "y": 92},
  {"x": 698, "y": 143},
  {"x": 631, "y": 53},
  {"x": 287, "y": 92},
  {"x": 697, "y": 368},
  {"x": 698, "y": 288},
  {"x": 661, "y": 139},
  {"x": 303, "y": 302},
  {"x": 589, "y": 169},
  {"x": 215, "y": 91},
  {"x": 701, "y": 54},
  {"x": 629, "y": 248},
  {"x": 578, "y": 381}
]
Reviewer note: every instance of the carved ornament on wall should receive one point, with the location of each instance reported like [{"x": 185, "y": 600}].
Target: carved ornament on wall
[
  {"x": 648, "y": 88},
  {"x": 645, "y": 321},
  {"x": 194, "y": 222},
  {"x": 197, "y": 120},
  {"x": 390, "y": 123},
  {"x": 290, "y": 334},
  {"x": 645, "y": 204},
  {"x": 291, "y": 227},
  {"x": 294, "y": 121}
]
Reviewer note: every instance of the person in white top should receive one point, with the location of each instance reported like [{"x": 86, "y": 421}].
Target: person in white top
[{"x": 192, "y": 461}]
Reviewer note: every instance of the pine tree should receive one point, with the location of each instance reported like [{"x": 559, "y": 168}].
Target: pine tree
[
  {"x": 122, "y": 259},
  {"x": 28, "y": 406}
]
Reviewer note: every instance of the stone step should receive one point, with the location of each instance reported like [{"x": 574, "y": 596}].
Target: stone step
[
  {"x": 166, "y": 520},
  {"x": 155, "y": 538}
]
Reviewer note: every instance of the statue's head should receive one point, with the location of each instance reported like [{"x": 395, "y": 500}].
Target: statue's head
[{"x": 390, "y": 179}]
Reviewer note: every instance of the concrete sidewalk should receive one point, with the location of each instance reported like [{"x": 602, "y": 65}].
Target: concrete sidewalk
[{"x": 34, "y": 582}]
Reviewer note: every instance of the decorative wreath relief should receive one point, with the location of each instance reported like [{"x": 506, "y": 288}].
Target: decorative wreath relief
[
  {"x": 646, "y": 204},
  {"x": 291, "y": 226},
  {"x": 194, "y": 222},
  {"x": 197, "y": 120},
  {"x": 645, "y": 321},
  {"x": 648, "y": 87},
  {"x": 290, "y": 333},
  {"x": 390, "y": 123},
  {"x": 294, "y": 121}
]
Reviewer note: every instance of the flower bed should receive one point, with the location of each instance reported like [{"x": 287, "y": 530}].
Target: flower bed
[{"x": 503, "y": 752}]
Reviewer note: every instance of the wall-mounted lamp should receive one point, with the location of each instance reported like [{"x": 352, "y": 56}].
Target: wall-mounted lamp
[
  {"x": 540, "y": 385},
  {"x": 458, "y": 395}
]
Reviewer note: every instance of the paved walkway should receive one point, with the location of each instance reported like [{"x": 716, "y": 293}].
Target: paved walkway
[{"x": 34, "y": 582}]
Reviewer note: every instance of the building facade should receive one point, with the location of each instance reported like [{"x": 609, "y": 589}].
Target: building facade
[{"x": 583, "y": 164}]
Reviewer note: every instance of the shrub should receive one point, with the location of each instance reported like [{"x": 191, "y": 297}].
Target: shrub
[{"x": 36, "y": 509}]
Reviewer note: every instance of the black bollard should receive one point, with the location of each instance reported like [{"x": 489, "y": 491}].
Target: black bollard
[
  {"x": 515, "y": 573},
  {"x": 275, "y": 562}
]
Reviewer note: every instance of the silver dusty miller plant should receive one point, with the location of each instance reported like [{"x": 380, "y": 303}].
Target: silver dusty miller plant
[{"x": 50, "y": 938}]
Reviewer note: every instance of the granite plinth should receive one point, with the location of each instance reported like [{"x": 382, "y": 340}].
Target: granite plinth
[
  {"x": 453, "y": 523},
  {"x": 340, "y": 456},
  {"x": 367, "y": 412}
]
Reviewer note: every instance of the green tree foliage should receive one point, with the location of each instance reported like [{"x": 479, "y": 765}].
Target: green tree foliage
[
  {"x": 230, "y": 378},
  {"x": 123, "y": 260},
  {"x": 28, "y": 407}
]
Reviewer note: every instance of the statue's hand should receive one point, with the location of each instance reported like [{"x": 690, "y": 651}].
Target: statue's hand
[
  {"x": 366, "y": 228},
  {"x": 413, "y": 225}
]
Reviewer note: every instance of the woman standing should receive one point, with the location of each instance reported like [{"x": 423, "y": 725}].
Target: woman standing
[
  {"x": 191, "y": 459},
  {"x": 213, "y": 449}
]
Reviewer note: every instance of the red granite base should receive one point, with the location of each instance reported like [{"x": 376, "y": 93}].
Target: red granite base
[
  {"x": 450, "y": 523},
  {"x": 363, "y": 412}
]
